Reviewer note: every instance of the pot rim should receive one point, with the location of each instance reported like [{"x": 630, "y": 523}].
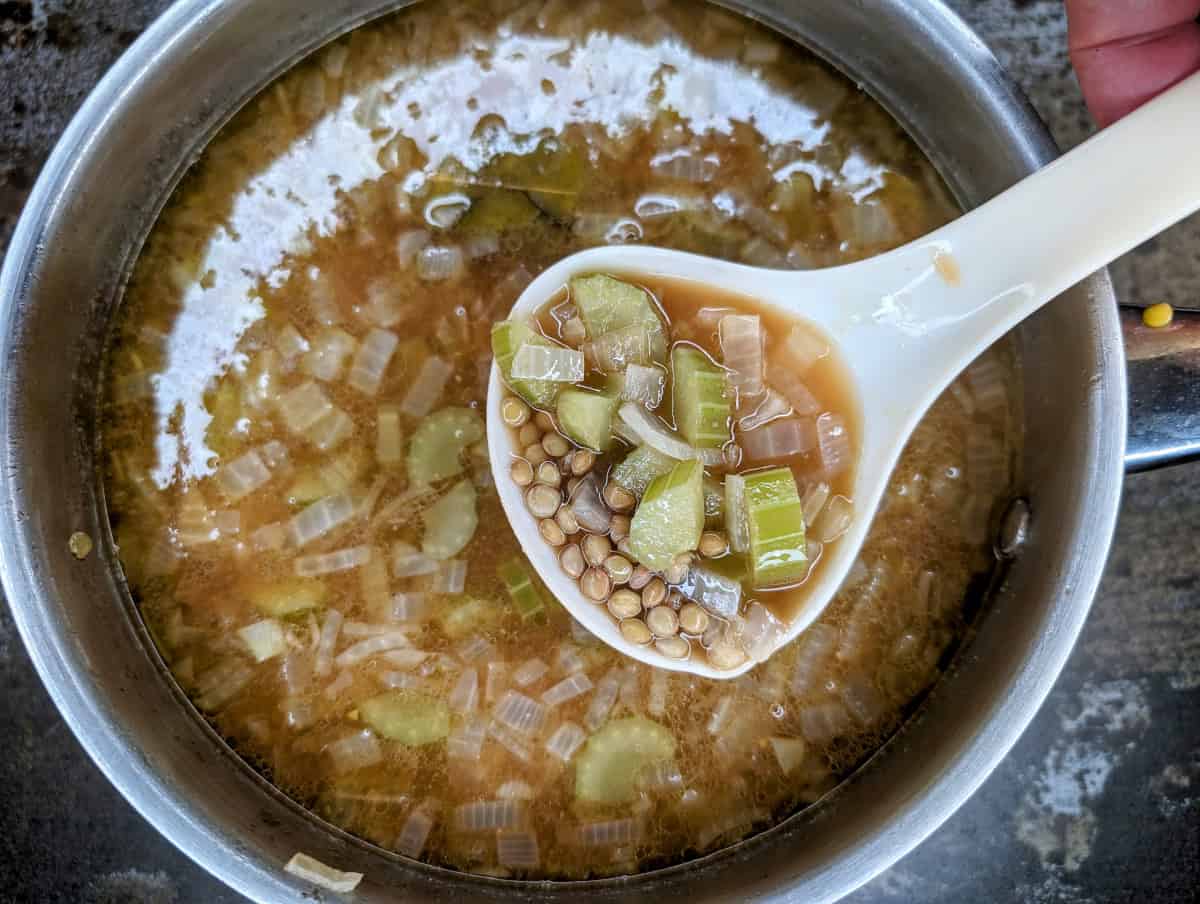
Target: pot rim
[{"x": 62, "y": 666}]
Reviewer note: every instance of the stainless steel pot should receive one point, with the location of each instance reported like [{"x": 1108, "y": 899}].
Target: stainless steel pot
[{"x": 92, "y": 207}]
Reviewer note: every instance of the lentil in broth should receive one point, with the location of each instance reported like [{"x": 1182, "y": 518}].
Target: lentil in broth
[{"x": 320, "y": 290}]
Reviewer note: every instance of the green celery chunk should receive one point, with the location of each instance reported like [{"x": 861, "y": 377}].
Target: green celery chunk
[
  {"x": 670, "y": 518},
  {"x": 702, "y": 401},
  {"x": 507, "y": 337},
  {"x": 526, "y": 597},
  {"x": 450, "y": 522},
  {"x": 408, "y": 717},
  {"x": 608, "y": 305},
  {"x": 608, "y": 766},
  {"x": 465, "y": 617},
  {"x": 778, "y": 553},
  {"x": 586, "y": 417},
  {"x": 287, "y": 597},
  {"x": 435, "y": 451},
  {"x": 640, "y": 467}
]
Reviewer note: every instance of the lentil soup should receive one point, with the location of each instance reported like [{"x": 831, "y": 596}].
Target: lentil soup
[{"x": 296, "y": 468}]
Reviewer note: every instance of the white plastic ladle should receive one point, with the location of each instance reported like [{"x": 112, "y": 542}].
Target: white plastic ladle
[{"x": 903, "y": 329}]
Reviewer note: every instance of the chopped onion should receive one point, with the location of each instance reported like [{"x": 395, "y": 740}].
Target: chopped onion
[
  {"x": 274, "y": 454},
  {"x": 569, "y": 661},
  {"x": 389, "y": 442},
  {"x": 408, "y": 561},
  {"x": 660, "y": 775},
  {"x": 742, "y": 352},
  {"x": 517, "y": 850},
  {"x": 833, "y": 440},
  {"x": 404, "y": 658},
  {"x": 444, "y": 211},
  {"x": 798, "y": 395},
  {"x": 770, "y": 406},
  {"x": 604, "y": 698},
  {"x": 399, "y": 681},
  {"x": 489, "y": 815},
  {"x": 264, "y": 639},
  {"x": 653, "y": 206},
  {"x": 330, "y": 431},
  {"x": 466, "y": 742},
  {"x": 289, "y": 342},
  {"x": 436, "y": 263},
  {"x": 610, "y": 832},
  {"x": 804, "y": 347},
  {"x": 589, "y": 508},
  {"x": 312, "y": 870},
  {"x": 242, "y": 476},
  {"x": 475, "y": 648},
  {"x": 327, "y": 642},
  {"x": 865, "y": 224},
  {"x": 780, "y": 438},
  {"x": 465, "y": 694},
  {"x": 367, "y": 629},
  {"x": 834, "y": 520},
  {"x": 483, "y": 245},
  {"x": 365, "y": 649},
  {"x": 519, "y": 713},
  {"x": 644, "y": 385},
  {"x": 529, "y": 671},
  {"x": 989, "y": 388},
  {"x": 987, "y": 465},
  {"x": 303, "y": 406},
  {"x": 321, "y": 517},
  {"x": 823, "y": 722},
  {"x": 616, "y": 350},
  {"x": 707, "y": 588},
  {"x": 371, "y": 361},
  {"x": 222, "y": 683},
  {"x": 651, "y": 431},
  {"x": 660, "y": 686},
  {"x": 815, "y": 497},
  {"x": 355, "y": 751},
  {"x": 384, "y": 305},
  {"x": 228, "y": 523},
  {"x": 428, "y": 387},
  {"x": 567, "y": 689},
  {"x": 565, "y": 741},
  {"x": 685, "y": 165},
  {"x": 414, "y": 834},
  {"x": 762, "y": 633},
  {"x": 296, "y": 672},
  {"x": 297, "y": 714},
  {"x": 862, "y": 700},
  {"x": 720, "y": 714},
  {"x": 547, "y": 362},
  {"x": 510, "y": 741},
  {"x": 789, "y": 753},
  {"x": 408, "y": 606},
  {"x": 330, "y": 351},
  {"x": 451, "y": 578}
]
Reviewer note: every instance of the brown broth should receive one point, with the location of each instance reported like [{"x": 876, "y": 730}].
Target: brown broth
[{"x": 299, "y": 218}]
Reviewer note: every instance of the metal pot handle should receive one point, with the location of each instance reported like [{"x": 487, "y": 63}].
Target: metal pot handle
[{"x": 1164, "y": 390}]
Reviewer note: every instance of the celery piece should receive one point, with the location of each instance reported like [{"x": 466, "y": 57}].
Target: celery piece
[
  {"x": 702, "y": 400},
  {"x": 609, "y": 305},
  {"x": 775, "y": 515},
  {"x": 287, "y": 596},
  {"x": 450, "y": 522},
  {"x": 408, "y": 717},
  {"x": 435, "y": 451},
  {"x": 640, "y": 467},
  {"x": 606, "y": 769},
  {"x": 735, "y": 513},
  {"x": 526, "y": 597},
  {"x": 670, "y": 518},
  {"x": 465, "y": 617},
  {"x": 496, "y": 211},
  {"x": 586, "y": 417},
  {"x": 507, "y": 337}
]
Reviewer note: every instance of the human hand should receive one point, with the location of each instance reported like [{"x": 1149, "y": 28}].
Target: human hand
[{"x": 1127, "y": 51}]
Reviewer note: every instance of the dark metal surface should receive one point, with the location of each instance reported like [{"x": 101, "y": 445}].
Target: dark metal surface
[{"x": 1096, "y": 803}]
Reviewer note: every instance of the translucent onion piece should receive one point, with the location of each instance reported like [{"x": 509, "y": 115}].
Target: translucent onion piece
[
  {"x": 863, "y": 700},
  {"x": 414, "y": 834},
  {"x": 478, "y": 246},
  {"x": 603, "y": 699},
  {"x": 762, "y": 633},
  {"x": 400, "y": 681},
  {"x": 330, "y": 562},
  {"x": 312, "y": 870},
  {"x": 222, "y": 683},
  {"x": 610, "y": 832},
  {"x": 517, "y": 850},
  {"x": 355, "y": 751},
  {"x": 815, "y": 497},
  {"x": 547, "y": 362},
  {"x": 296, "y": 671},
  {"x": 303, "y": 406},
  {"x": 654, "y": 206},
  {"x": 732, "y": 825},
  {"x": 297, "y": 714},
  {"x": 660, "y": 687},
  {"x": 528, "y": 672},
  {"x": 864, "y": 224},
  {"x": 327, "y": 642},
  {"x": 489, "y": 815},
  {"x": 437, "y": 263},
  {"x": 720, "y": 595},
  {"x": 365, "y": 629},
  {"x": 834, "y": 520},
  {"x": 742, "y": 352},
  {"x": 803, "y": 348},
  {"x": 721, "y": 712},
  {"x": 660, "y": 775},
  {"x": 616, "y": 350},
  {"x": 813, "y": 649},
  {"x": 404, "y": 658},
  {"x": 770, "y": 406},
  {"x": 242, "y": 476},
  {"x": 644, "y": 385},
  {"x": 320, "y": 518},
  {"x": 474, "y": 648},
  {"x": 465, "y": 694},
  {"x": 409, "y": 243},
  {"x": 520, "y": 713},
  {"x": 330, "y": 351},
  {"x": 466, "y": 742},
  {"x": 330, "y": 431},
  {"x": 823, "y": 722},
  {"x": 566, "y": 741},
  {"x": 798, "y": 395},
  {"x": 428, "y": 387},
  {"x": 371, "y": 361},
  {"x": 289, "y": 342},
  {"x": 651, "y": 431},
  {"x": 409, "y": 606},
  {"x": 408, "y": 561},
  {"x": 778, "y": 439},
  {"x": 389, "y": 442},
  {"x": 264, "y": 639},
  {"x": 685, "y": 165},
  {"x": 986, "y": 377},
  {"x": 514, "y": 743},
  {"x": 365, "y": 649},
  {"x": 515, "y": 790},
  {"x": 451, "y": 578},
  {"x": 444, "y": 211},
  {"x": 274, "y": 454},
  {"x": 833, "y": 440},
  {"x": 569, "y": 661},
  {"x": 567, "y": 689},
  {"x": 589, "y": 508}
]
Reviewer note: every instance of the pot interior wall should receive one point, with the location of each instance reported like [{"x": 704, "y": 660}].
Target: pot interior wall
[{"x": 99, "y": 196}]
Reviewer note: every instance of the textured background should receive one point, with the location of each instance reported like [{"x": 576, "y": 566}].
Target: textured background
[{"x": 1099, "y": 802}]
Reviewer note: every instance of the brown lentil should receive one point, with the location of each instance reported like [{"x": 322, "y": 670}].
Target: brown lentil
[
  {"x": 724, "y": 655},
  {"x": 618, "y": 498},
  {"x": 543, "y": 501},
  {"x": 673, "y": 647},
  {"x": 571, "y": 560},
  {"x": 514, "y": 411},
  {"x": 544, "y": 422},
  {"x": 618, "y": 528},
  {"x": 573, "y": 485},
  {"x": 551, "y": 532},
  {"x": 522, "y": 472},
  {"x": 626, "y": 548},
  {"x": 556, "y": 446},
  {"x": 596, "y": 549},
  {"x": 641, "y": 577},
  {"x": 595, "y": 585},
  {"x": 535, "y": 454},
  {"x": 663, "y": 621},
  {"x": 654, "y": 593},
  {"x": 692, "y": 619},
  {"x": 567, "y": 521},
  {"x": 582, "y": 461},
  {"x": 528, "y": 435},
  {"x": 625, "y": 604},
  {"x": 619, "y": 568},
  {"x": 547, "y": 473},
  {"x": 678, "y": 571},
  {"x": 634, "y": 630},
  {"x": 713, "y": 544}
]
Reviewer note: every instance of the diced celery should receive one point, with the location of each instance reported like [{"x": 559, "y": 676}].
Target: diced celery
[
  {"x": 607, "y": 305},
  {"x": 735, "y": 513},
  {"x": 287, "y": 596},
  {"x": 775, "y": 515},
  {"x": 586, "y": 417},
  {"x": 507, "y": 337},
  {"x": 526, "y": 597},
  {"x": 450, "y": 522},
  {"x": 607, "y": 768},
  {"x": 435, "y": 451},
  {"x": 408, "y": 717},
  {"x": 467, "y": 616},
  {"x": 640, "y": 467},
  {"x": 702, "y": 400},
  {"x": 670, "y": 518}
]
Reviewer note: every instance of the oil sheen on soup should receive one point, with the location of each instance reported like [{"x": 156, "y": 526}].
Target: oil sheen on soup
[{"x": 297, "y": 473}]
